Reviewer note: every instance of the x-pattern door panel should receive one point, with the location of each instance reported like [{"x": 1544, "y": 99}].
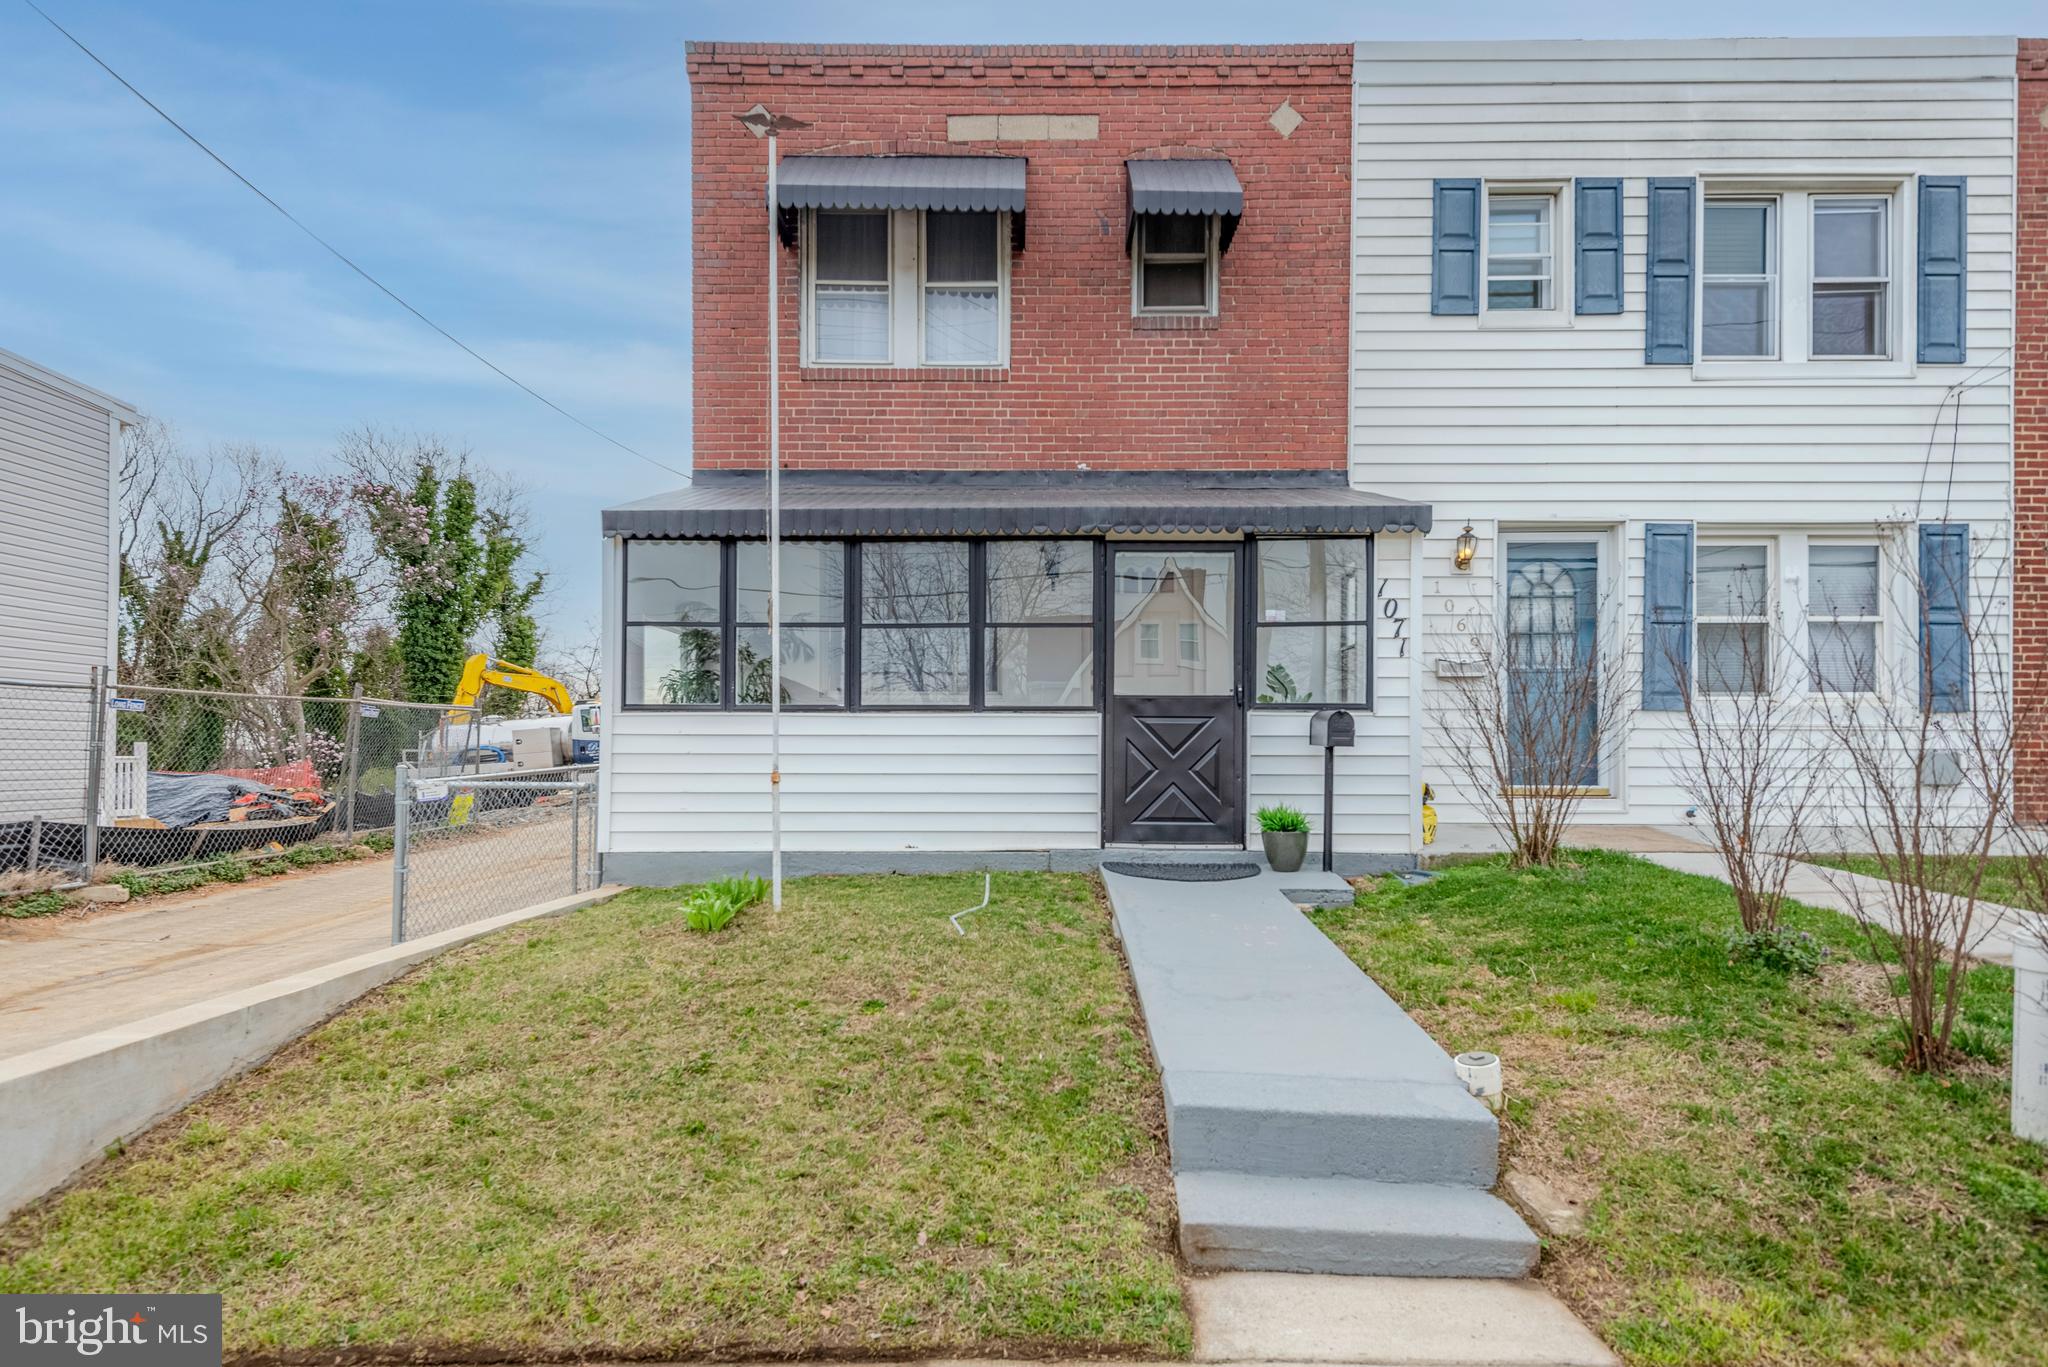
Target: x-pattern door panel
[{"x": 1177, "y": 781}]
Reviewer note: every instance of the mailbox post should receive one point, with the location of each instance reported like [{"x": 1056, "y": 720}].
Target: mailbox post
[{"x": 1331, "y": 727}]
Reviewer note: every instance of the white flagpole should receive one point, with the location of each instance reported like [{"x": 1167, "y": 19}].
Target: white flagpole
[{"x": 774, "y": 548}]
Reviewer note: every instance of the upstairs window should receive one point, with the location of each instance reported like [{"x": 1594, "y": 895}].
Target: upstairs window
[
  {"x": 1521, "y": 251},
  {"x": 906, "y": 288},
  {"x": 850, "y": 288},
  {"x": 1851, "y": 276},
  {"x": 1740, "y": 313},
  {"x": 1176, "y": 263}
]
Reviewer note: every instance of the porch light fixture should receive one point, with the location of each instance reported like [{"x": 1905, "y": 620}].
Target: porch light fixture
[{"x": 1468, "y": 547}]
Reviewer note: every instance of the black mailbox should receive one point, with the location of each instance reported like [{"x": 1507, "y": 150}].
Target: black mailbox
[{"x": 1332, "y": 726}]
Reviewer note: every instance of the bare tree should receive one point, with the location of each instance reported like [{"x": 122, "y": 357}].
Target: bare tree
[
  {"x": 1922, "y": 739},
  {"x": 1752, "y": 769},
  {"x": 1527, "y": 707}
]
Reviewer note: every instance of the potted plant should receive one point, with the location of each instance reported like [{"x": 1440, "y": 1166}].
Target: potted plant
[{"x": 1285, "y": 833}]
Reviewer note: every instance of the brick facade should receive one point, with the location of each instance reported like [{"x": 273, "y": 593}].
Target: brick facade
[
  {"x": 2030, "y": 432},
  {"x": 1261, "y": 386}
]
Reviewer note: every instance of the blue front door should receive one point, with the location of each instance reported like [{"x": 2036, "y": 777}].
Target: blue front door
[{"x": 1553, "y": 663}]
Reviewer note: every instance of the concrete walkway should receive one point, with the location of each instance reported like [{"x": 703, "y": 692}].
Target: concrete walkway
[
  {"x": 1992, "y": 932},
  {"x": 1314, "y": 1127},
  {"x": 65, "y": 977}
]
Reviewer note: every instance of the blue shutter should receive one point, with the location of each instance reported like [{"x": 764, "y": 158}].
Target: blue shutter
[
  {"x": 1667, "y": 277},
  {"x": 1667, "y": 615},
  {"x": 1944, "y": 268},
  {"x": 1596, "y": 223},
  {"x": 1454, "y": 258},
  {"x": 1944, "y": 616}
]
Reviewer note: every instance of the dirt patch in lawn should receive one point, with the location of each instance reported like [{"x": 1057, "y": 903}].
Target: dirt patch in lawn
[{"x": 840, "y": 1131}]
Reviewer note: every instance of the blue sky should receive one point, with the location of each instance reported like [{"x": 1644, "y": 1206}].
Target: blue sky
[{"x": 518, "y": 170}]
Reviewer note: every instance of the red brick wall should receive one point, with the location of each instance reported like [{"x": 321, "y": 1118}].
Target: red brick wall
[
  {"x": 2030, "y": 433},
  {"x": 1262, "y": 386}
]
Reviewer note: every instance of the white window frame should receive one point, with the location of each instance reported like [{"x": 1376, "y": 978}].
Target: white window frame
[
  {"x": 1210, "y": 257},
  {"x": 1816, "y": 617},
  {"x": 1888, "y": 319},
  {"x": 1002, "y": 289},
  {"x": 1190, "y": 643},
  {"x": 1548, "y": 199},
  {"x": 1563, "y": 249},
  {"x": 812, "y": 283},
  {"x": 1774, "y": 261},
  {"x": 906, "y": 295},
  {"x": 1796, "y": 192},
  {"x": 1150, "y": 637},
  {"x": 1764, "y": 616}
]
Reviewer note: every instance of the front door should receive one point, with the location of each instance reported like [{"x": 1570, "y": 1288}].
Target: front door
[
  {"x": 1553, "y": 663},
  {"x": 1175, "y": 754}
]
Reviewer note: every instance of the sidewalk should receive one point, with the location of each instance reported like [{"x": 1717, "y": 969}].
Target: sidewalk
[
  {"x": 63, "y": 977},
  {"x": 1992, "y": 933}
]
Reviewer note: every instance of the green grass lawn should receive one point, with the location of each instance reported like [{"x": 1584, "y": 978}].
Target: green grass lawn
[
  {"x": 1763, "y": 1185},
  {"x": 2002, "y": 882},
  {"x": 838, "y": 1130}
]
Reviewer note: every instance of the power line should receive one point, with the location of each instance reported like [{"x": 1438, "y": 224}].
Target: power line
[{"x": 340, "y": 256}]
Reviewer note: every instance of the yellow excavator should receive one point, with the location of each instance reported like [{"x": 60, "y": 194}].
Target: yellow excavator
[{"x": 481, "y": 670}]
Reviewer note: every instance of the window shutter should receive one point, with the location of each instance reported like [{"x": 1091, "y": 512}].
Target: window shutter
[
  {"x": 1667, "y": 283},
  {"x": 1596, "y": 223},
  {"x": 1667, "y": 615},
  {"x": 1944, "y": 616},
  {"x": 1944, "y": 268},
  {"x": 1454, "y": 258}
]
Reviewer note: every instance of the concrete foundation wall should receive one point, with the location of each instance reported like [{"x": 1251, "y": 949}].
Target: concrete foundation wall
[{"x": 669, "y": 870}]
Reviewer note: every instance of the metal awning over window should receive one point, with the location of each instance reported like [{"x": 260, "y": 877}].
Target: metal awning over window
[
  {"x": 839, "y": 504},
  {"x": 1185, "y": 185},
  {"x": 906, "y": 182}
]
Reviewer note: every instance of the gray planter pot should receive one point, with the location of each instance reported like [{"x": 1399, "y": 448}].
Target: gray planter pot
[{"x": 1285, "y": 849}]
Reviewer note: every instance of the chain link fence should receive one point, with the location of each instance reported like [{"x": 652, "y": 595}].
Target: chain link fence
[
  {"x": 104, "y": 777},
  {"x": 469, "y": 847}
]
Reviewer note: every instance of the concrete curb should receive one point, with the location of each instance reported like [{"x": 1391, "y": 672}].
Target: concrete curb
[{"x": 61, "y": 1106}]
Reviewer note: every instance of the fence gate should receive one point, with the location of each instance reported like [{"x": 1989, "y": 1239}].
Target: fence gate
[{"x": 468, "y": 847}]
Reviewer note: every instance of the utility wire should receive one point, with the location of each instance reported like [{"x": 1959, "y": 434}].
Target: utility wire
[{"x": 338, "y": 255}]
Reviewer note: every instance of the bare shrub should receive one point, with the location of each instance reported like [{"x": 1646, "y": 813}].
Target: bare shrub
[
  {"x": 1923, "y": 775},
  {"x": 1751, "y": 770},
  {"x": 1523, "y": 713}
]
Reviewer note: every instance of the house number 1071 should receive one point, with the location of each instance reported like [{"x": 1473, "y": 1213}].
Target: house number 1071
[{"x": 1390, "y": 608}]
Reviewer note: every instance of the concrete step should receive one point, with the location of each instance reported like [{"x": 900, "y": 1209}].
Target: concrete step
[
  {"x": 1231, "y": 1220},
  {"x": 1277, "y": 1125}
]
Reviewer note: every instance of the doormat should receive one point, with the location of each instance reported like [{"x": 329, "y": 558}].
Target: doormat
[{"x": 1183, "y": 873}]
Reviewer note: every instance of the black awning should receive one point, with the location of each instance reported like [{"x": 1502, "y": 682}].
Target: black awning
[
  {"x": 1065, "y": 504},
  {"x": 905, "y": 182},
  {"x": 1185, "y": 185}
]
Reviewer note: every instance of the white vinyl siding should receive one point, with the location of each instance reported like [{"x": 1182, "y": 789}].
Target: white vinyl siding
[
  {"x": 1568, "y": 428},
  {"x": 57, "y": 580}
]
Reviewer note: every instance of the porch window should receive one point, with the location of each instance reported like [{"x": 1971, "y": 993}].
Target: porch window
[
  {"x": 1039, "y": 639},
  {"x": 1314, "y": 622},
  {"x": 1843, "y": 615},
  {"x": 916, "y": 625},
  {"x": 1733, "y": 587},
  {"x": 813, "y": 624},
  {"x": 674, "y": 624}
]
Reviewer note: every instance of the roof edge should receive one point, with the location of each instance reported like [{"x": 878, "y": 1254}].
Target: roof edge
[
  {"x": 64, "y": 384},
  {"x": 1128, "y": 52}
]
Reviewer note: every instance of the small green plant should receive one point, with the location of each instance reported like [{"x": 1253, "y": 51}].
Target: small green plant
[
  {"x": 34, "y": 904},
  {"x": 1281, "y": 817},
  {"x": 713, "y": 906},
  {"x": 1784, "y": 951}
]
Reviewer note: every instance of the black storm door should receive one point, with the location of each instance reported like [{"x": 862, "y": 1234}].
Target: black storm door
[{"x": 1175, "y": 750}]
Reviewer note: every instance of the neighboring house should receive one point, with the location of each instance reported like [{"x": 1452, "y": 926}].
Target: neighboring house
[
  {"x": 1134, "y": 402},
  {"x": 1705, "y": 341},
  {"x": 1064, "y": 405},
  {"x": 2030, "y": 430},
  {"x": 60, "y": 446}
]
